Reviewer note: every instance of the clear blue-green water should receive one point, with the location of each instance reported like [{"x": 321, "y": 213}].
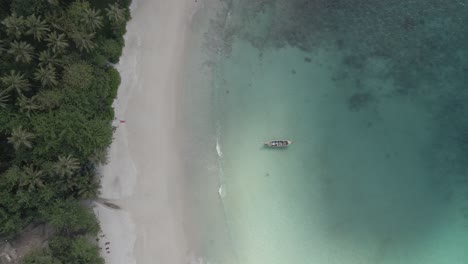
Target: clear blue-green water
[{"x": 373, "y": 94}]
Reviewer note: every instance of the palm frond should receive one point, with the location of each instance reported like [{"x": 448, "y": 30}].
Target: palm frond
[
  {"x": 46, "y": 75},
  {"x": 115, "y": 14},
  {"x": 21, "y": 51},
  {"x": 14, "y": 25},
  {"x": 36, "y": 27},
  {"x": 20, "y": 137},
  {"x": 15, "y": 81},
  {"x": 4, "y": 96},
  {"x": 28, "y": 105}
]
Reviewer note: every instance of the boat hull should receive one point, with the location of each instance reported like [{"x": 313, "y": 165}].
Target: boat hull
[{"x": 278, "y": 143}]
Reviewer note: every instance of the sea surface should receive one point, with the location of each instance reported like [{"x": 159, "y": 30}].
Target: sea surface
[{"x": 374, "y": 95}]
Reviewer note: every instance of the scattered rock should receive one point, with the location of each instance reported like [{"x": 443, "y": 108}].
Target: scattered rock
[
  {"x": 33, "y": 237},
  {"x": 8, "y": 254}
]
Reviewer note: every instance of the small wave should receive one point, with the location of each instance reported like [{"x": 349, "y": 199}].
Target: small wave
[
  {"x": 218, "y": 149},
  {"x": 222, "y": 191},
  {"x": 218, "y": 137},
  {"x": 222, "y": 187}
]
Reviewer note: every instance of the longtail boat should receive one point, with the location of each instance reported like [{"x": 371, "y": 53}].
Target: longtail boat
[{"x": 278, "y": 143}]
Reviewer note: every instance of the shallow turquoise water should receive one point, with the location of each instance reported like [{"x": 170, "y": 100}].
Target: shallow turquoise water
[
  {"x": 373, "y": 98},
  {"x": 372, "y": 94}
]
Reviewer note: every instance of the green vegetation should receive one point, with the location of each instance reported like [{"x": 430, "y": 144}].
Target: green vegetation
[{"x": 57, "y": 85}]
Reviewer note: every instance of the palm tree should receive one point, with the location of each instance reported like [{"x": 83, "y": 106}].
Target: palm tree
[
  {"x": 4, "y": 96},
  {"x": 67, "y": 183},
  {"x": 15, "y": 81},
  {"x": 46, "y": 76},
  {"x": 91, "y": 19},
  {"x": 22, "y": 51},
  {"x": 28, "y": 105},
  {"x": 31, "y": 178},
  {"x": 99, "y": 156},
  {"x": 47, "y": 58},
  {"x": 88, "y": 186},
  {"x": 12, "y": 175},
  {"x": 115, "y": 14},
  {"x": 56, "y": 42},
  {"x": 53, "y": 2},
  {"x": 36, "y": 27},
  {"x": 20, "y": 137},
  {"x": 14, "y": 25},
  {"x": 2, "y": 46},
  {"x": 84, "y": 41},
  {"x": 57, "y": 20},
  {"x": 66, "y": 165}
]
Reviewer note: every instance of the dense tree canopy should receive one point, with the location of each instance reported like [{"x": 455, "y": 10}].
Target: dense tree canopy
[{"x": 57, "y": 85}]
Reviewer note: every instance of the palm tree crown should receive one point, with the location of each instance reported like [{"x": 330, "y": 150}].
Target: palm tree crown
[
  {"x": 31, "y": 178},
  {"x": 99, "y": 156},
  {"x": 91, "y": 19},
  {"x": 56, "y": 42},
  {"x": 115, "y": 14},
  {"x": 28, "y": 105},
  {"x": 14, "y": 25},
  {"x": 53, "y": 2},
  {"x": 4, "y": 96},
  {"x": 2, "y": 46},
  {"x": 84, "y": 41},
  {"x": 47, "y": 58},
  {"x": 46, "y": 75},
  {"x": 66, "y": 165},
  {"x": 89, "y": 186},
  {"x": 20, "y": 137},
  {"x": 15, "y": 81},
  {"x": 36, "y": 27},
  {"x": 22, "y": 51}
]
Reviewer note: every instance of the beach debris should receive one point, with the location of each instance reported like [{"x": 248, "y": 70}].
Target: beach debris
[
  {"x": 111, "y": 205},
  {"x": 107, "y": 203},
  {"x": 120, "y": 120},
  {"x": 307, "y": 59}
]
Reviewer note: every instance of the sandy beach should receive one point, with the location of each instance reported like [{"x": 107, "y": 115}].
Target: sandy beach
[{"x": 143, "y": 175}]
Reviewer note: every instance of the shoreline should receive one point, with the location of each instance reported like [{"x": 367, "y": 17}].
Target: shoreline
[{"x": 144, "y": 173}]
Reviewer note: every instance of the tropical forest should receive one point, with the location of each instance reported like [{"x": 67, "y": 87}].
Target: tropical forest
[{"x": 57, "y": 86}]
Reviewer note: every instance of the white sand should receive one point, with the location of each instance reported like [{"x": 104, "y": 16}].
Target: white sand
[{"x": 144, "y": 175}]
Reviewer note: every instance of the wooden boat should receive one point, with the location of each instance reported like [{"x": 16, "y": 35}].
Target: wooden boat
[{"x": 278, "y": 143}]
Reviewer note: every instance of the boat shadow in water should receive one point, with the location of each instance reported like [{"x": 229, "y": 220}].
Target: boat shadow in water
[{"x": 266, "y": 148}]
